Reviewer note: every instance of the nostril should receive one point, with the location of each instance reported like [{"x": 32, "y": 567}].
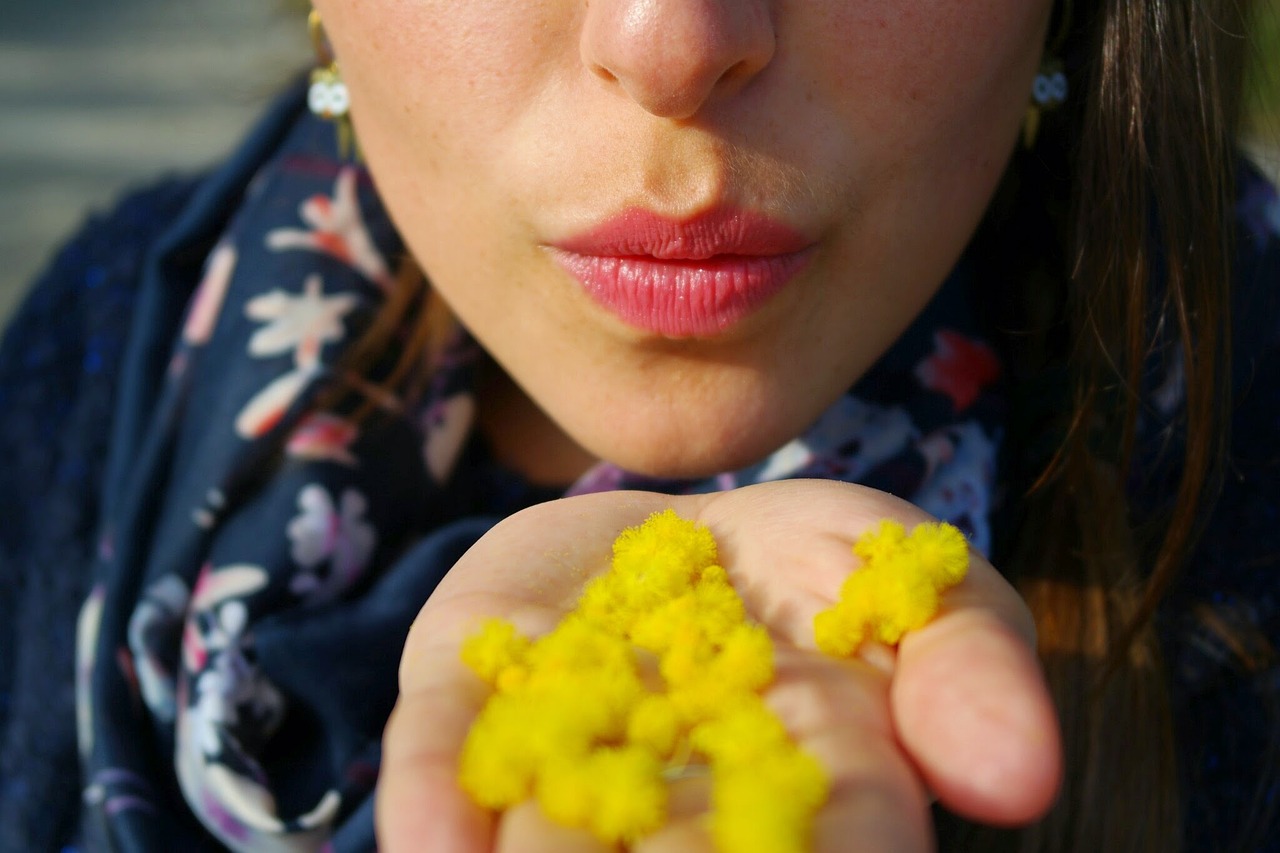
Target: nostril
[
  {"x": 604, "y": 73},
  {"x": 733, "y": 72},
  {"x": 672, "y": 56}
]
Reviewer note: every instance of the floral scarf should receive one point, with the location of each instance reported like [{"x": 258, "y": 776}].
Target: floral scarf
[{"x": 261, "y": 560}]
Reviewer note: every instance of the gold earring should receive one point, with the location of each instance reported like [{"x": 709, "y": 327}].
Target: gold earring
[
  {"x": 1050, "y": 88},
  {"x": 328, "y": 97}
]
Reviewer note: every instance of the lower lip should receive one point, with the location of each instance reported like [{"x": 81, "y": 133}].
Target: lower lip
[{"x": 682, "y": 299}]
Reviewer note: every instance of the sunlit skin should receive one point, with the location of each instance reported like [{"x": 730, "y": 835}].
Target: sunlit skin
[
  {"x": 878, "y": 129},
  {"x": 960, "y": 713}
]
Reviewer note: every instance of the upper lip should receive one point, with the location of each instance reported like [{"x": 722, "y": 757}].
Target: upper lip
[{"x": 636, "y": 232}]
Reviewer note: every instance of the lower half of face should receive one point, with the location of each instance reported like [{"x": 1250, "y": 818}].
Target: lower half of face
[{"x": 682, "y": 227}]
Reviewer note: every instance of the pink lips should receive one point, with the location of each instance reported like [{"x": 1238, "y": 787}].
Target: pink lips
[{"x": 684, "y": 278}]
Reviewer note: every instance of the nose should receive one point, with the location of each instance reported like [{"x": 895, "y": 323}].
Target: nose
[{"x": 674, "y": 56}]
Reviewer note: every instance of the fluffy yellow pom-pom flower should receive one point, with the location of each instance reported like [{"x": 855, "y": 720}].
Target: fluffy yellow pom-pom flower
[
  {"x": 503, "y": 751},
  {"x": 742, "y": 733},
  {"x": 766, "y": 806},
  {"x": 578, "y": 722},
  {"x": 665, "y": 545},
  {"x": 617, "y": 793},
  {"x": 897, "y": 589},
  {"x": 942, "y": 551},
  {"x": 497, "y": 647},
  {"x": 655, "y": 723},
  {"x": 566, "y": 791},
  {"x": 883, "y": 541},
  {"x": 838, "y": 632},
  {"x": 745, "y": 660},
  {"x": 631, "y": 797}
]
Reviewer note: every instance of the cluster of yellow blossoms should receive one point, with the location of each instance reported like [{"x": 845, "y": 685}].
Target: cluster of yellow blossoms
[
  {"x": 896, "y": 589},
  {"x": 655, "y": 671}
]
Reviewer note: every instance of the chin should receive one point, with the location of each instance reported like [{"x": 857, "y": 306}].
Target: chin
[{"x": 681, "y": 450}]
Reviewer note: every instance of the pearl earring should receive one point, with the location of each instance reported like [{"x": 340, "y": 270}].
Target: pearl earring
[
  {"x": 328, "y": 97},
  {"x": 1050, "y": 88},
  {"x": 1048, "y": 91}
]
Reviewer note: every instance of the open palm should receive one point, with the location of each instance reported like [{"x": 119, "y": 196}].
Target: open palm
[{"x": 960, "y": 712}]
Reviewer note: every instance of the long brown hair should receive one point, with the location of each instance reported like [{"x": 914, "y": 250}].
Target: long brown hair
[
  {"x": 1138, "y": 189},
  {"x": 1124, "y": 209}
]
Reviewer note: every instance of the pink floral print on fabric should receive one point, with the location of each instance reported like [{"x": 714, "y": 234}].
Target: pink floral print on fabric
[{"x": 337, "y": 229}]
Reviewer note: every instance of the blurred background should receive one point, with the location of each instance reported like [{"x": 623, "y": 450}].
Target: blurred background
[
  {"x": 1262, "y": 123},
  {"x": 96, "y": 96}
]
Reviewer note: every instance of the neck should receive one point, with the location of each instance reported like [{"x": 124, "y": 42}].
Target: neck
[{"x": 522, "y": 438}]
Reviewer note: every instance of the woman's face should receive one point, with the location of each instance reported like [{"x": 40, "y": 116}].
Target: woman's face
[{"x": 683, "y": 227}]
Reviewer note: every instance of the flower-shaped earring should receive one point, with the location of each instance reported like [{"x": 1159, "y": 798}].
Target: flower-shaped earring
[{"x": 328, "y": 97}]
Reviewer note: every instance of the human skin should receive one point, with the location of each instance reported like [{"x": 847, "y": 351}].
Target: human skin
[
  {"x": 960, "y": 711},
  {"x": 877, "y": 129}
]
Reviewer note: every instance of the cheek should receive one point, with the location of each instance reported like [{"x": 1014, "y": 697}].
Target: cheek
[
  {"x": 912, "y": 76},
  {"x": 931, "y": 94},
  {"x": 439, "y": 93},
  {"x": 433, "y": 76}
]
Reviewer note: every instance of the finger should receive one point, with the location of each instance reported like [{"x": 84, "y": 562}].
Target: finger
[
  {"x": 837, "y": 710},
  {"x": 689, "y": 800},
  {"x": 971, "y": 706},
  {"x": 525, "y": 829},
  {"x": 969, "y": 701},
  {"x": 419, "y": 804},
  {"x": 687, "y": 835}
]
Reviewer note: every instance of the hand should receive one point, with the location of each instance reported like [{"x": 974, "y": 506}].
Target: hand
[{"x": 960, "y": 712}]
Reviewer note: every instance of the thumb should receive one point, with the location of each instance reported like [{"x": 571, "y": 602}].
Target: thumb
[{"x": 971, "y": 706}]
